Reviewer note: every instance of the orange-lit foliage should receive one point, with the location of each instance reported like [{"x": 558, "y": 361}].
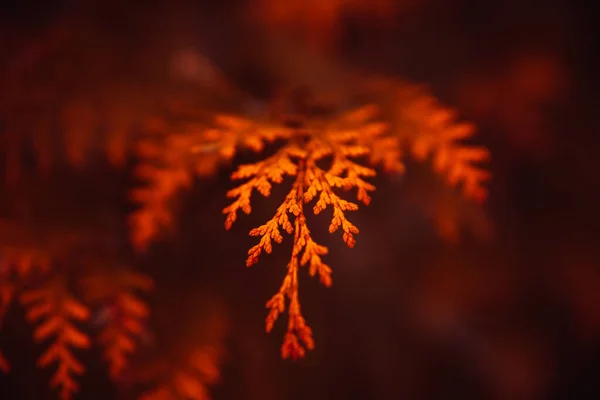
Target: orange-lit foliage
[
  {"x": 188, "y": 366},
  {"x": 33, "y": 271},
  {"x": 438, "y": 135},
  {"x": 57, "y": 104},
  {"x": 327, "y": 150},
  {"x": 325, "y": 147},
  {"x": 123, "y": 315},
  {"x": 56, "y": 308},
  {"x": 452, "y": 216},
  {"x": 191, "y": 381}
]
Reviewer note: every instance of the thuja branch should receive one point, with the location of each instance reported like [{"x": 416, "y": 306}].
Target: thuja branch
[
  {"x": 320, "y": 140},
  {"x": 298, "y": 333},
  {"x": 352, "y": 143}
]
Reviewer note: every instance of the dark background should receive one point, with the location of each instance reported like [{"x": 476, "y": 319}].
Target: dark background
[{"x": 409, "y": 315}]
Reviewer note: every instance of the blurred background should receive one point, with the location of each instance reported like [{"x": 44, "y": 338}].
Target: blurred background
[{"x": 440, "y": 299}]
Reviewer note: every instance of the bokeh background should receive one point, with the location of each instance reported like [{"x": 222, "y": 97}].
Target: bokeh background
[{"x": 439, "y": 299}]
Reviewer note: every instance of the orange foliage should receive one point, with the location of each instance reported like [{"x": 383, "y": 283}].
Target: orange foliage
[
  {"x": 29, "y": 270},
  {"x": 123, "y": 313},
  {"x": 170, "y": 164},
  {"x": 192, "y": 381},
  {"x": 328, "y": 147},
  {"x": 193, "y": 361},
  {"x": 58, "y": 308},
  {"x": 50, "y": 81},
  {"x": 439, "y": 138},
  {"x": 339, "y": 139},
  {"x": 452, "y": 216},
  {"x": 17, "y": 261},
  {"x": 325, "y": 154}
]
